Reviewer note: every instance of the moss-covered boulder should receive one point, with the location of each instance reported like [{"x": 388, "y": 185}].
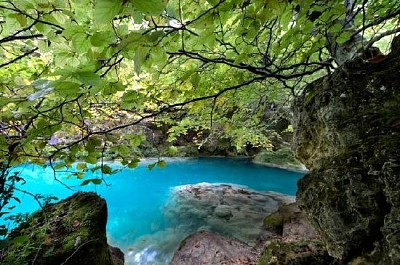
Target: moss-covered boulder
[
  {"x": 347, "y": 133},
  {"x": 295, "y": 242},
  {"x": 72, "y": 231}
]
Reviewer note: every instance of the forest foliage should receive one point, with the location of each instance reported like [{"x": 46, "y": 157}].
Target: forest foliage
[{"x": 73, "y": 73}]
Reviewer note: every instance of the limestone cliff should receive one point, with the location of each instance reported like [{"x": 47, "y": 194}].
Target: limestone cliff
[{"x": 348, "y": 135}]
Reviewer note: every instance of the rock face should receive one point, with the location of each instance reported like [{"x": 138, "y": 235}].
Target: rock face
[
  {"x": 348, "y": 136},
  {"x": 210, "y": 248},
  {"x": 72, "y": 231}
]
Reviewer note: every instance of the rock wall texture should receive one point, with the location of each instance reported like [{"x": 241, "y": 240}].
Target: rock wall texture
[
  {"x": 348, "y": 136},
  {"x": 72, "y": 231}
]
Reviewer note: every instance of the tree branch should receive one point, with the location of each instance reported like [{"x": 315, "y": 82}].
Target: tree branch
[
  {"x": 380, "y": 36},
  {"x": 19, "y": 57},
  {"x": 26, "y": 37},
  {"x": 377, "y": 21}
]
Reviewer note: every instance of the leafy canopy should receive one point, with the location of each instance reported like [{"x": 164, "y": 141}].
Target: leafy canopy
[{"x": 74, "y": 73}]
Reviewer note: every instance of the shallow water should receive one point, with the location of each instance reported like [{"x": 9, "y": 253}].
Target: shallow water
[{"x": 137, "y": 198}]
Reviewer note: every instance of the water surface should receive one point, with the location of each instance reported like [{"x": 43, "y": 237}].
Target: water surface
[{"x": 136, "y": 198}]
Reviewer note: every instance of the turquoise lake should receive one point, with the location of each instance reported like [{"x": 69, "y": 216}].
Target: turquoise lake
[{"x": 136, "y": 197}]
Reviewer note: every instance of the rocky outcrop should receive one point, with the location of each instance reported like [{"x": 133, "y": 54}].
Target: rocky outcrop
[
  {"x": 72, "y": 231},
  {"x": 348, "y": 135},
  {"x": 211, "y": 248}
]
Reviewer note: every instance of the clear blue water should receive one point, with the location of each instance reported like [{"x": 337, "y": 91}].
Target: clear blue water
[{"x": 135, "y": 197}]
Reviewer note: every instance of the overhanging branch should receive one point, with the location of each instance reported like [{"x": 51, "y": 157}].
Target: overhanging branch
[{"x": 19, "y": 57}]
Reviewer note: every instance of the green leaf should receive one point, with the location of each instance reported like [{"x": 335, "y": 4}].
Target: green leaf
[
  {"x": 151, "y": 166},
  {"x": 85, "y": 182},
  {"x": 161, "y": 164},
  {"x": 149, "y": 7},
  {"x": 79, "y": 175},
  {"x": 344, "y": 37},
  {"x": 123, "y": 150},
  {"x": 66, "y": 88},
  {"x": 80, "y": 42},
  {"x": 59, "y": 166},
  {"x": 106, "y": 10},
  {"x": 94, "y": 181},
  {"x": 105, "y": 169},
  {"x": 139, "y": 58},
  {"x": 91, "y": 159},
  {"x": 87, "y": 78},
  {"x": 100, "y": 39},
  {"x": 212, "y": 2},
  {"x": 81, "y": 166},
  {"x": 133, "y": 163},
  {"x": 195, "y": 79},
  {"x": 135, "y": 139},
  {"x": 172, "y": 150},
  {"x": 335, "y": 28}
]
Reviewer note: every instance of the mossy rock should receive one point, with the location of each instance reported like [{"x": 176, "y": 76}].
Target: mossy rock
[
  {"x": 275, "y": 221},
  {"x": 283, "y": 157},
  {"x": 69, "y": 232},
  {"x": 305, "y": 252}
]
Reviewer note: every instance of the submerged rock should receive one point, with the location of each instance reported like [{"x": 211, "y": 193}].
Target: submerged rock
[
  {"x": 287, "y": 238},
  {"x": 72, "y": 231},
  {"x": 233, "y": 211},
  {"x": 348, "y": 135}
]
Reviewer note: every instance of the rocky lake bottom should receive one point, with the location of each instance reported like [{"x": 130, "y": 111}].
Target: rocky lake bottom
[{"x": 229, "y": 210}]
